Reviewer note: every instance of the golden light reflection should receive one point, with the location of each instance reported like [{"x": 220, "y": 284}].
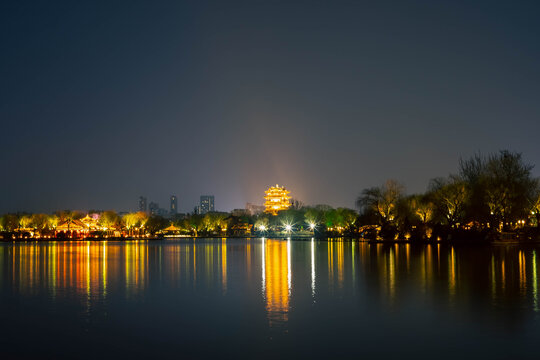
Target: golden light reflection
[
  {"x": 330, "y": 263},
  {"x": 534, "y": 282},
  {"x": 79, "y": 267},
  {"x": 224, "y": 264},
  {"x": 336, "y": 263},
  {"x": 75, "y": 266},
  {"x": 95, "y": 270},
  {"x": 392, "y": 274},
  {"x": 493, "y": 278},
  {"x": 313, "y": 274},
  {"x": 522, "y": 273},
  {"x": 276, "y": 280},
  {"x": 90, "y": 269},
  {"x": 452, "y": 272},
  {"x": 340, "y": 263}
]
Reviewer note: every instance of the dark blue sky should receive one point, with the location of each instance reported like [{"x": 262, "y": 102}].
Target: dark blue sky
[{"x": 103, "y": 102}]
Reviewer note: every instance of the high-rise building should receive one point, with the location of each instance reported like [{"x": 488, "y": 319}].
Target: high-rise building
[
  {"x": 206, "y": 204},
  {"x": 142, "y": 203},
  {"x": 153, "y": 208},
  {"x": 174, "y": 205}
]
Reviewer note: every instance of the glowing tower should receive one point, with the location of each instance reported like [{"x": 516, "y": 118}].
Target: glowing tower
[{"x": 277, "y": 199}]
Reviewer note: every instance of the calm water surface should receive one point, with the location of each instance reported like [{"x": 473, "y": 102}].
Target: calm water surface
[{"x": 264, "y": 298}]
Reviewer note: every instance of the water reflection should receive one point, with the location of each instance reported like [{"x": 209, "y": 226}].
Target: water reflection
[
  {"x": 276, "y": 280},
  {"x": 466, "y": 278}
]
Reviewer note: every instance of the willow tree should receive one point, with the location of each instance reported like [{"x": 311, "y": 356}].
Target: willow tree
[
  {"x": 109, "y": 220},
  {"x": 450, "y": 196},
  {"x": 40, "y": 221},
  {"x": 131, "y": 221},
  {"x": 502, "y": 187},
  {"x": 422, "y": 208},
  {"x": 382, "y": 201},
  {"x": 52, "y": 221},
  {"x": 25, "y": 221}
]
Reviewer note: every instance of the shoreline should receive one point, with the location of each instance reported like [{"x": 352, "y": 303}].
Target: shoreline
[{"x": 470, "y": 242}]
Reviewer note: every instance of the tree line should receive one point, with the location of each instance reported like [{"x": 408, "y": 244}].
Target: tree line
[
  {"x": 489, "y": 194},
  {"x": 322, "y": 219}
]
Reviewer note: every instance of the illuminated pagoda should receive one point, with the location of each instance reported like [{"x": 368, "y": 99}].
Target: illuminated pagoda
[{"x": 277, "y": 199}]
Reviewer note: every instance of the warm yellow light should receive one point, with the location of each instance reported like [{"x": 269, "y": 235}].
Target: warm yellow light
[
  {"x": 277, "y": 199},
  {"x": 312, "y": 226}
]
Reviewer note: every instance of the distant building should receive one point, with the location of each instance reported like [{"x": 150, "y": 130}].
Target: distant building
[
  {"x": 239, "y": 212},
  {"x": 153, "y": 208},
  {"x": 142, "y": 203},
  {"x": 174, "y": 205},
  {"x": 253, "y": 209},
  {"x": 206, "y": 204},
  {"x": 277, "y": 199},
  {"x": 162, "y": 212}
]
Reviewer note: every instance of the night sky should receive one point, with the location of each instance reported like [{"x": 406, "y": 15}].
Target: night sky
[{"x": 101, "y": 103}]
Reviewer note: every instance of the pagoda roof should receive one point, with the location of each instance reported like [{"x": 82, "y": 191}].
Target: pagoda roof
[
  {"x": 71, "y": 225},
  {"x": 171, "y": 228}
]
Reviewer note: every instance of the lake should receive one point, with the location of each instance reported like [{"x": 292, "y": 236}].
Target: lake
[{"x": 267, "y": 298}]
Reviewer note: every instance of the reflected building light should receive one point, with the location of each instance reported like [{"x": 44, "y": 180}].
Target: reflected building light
[
  {"x": 312, "y": 267},
  {"x": 503, "y": 279},
  {"x": 135, "y": 269},
  {"x": 452, "y": 273},
  {"x": 248, "y": 259},
  {"x": 408, "y": 254},
  {"x": 330, "y": 264},
  {"x": 53, "y": 268},
  {"x": 340, "y": 263},
  {"x": 289, "y": 273},
  {"x": 522, "y": 273},
  {"x": 429, "y": 266},
  {"x": 396, "y": 251},
  {"x": 439, "y": 259},
  {"x": 353, "y": 265},
  {"x": 263, "y": 265},
  {"x": 104, "y": 270},
  {"x": 392, "y": 274},
  {"x": 493, "y": 279},
  {"x": 224, "y": 264},
  {"x": 67, "y": 265},
  {"x": 127, "y": 266},
  {"x": 423, "y": 274},
  {"x": 194, "y": 264},
  {"x": 534, "y": 282},
  {"x": 208, "y": 262},
  {"x": 276, "y": 279},
  {"x": 87, "y": 261}
]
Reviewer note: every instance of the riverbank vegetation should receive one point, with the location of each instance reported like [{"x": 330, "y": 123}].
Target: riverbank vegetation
[
  {"x": 490, "y": 196},
  {"x": 304, "y": 221}
]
